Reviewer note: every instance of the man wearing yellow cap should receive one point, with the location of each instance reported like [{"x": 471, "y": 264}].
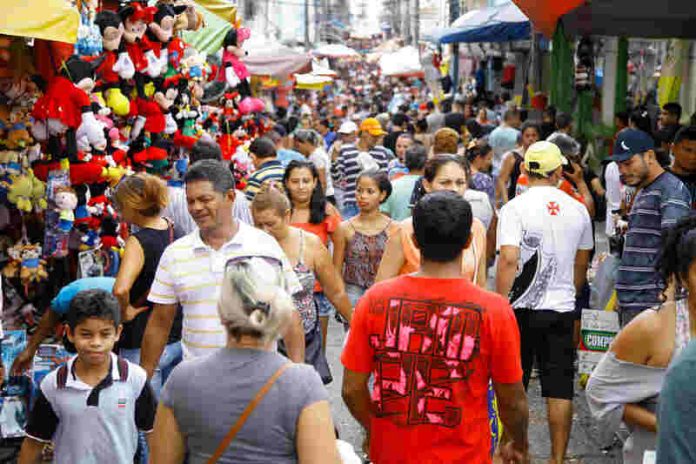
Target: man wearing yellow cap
[
  {"x": 544, "y": 243},
  {"x": 365, "y": 155}
]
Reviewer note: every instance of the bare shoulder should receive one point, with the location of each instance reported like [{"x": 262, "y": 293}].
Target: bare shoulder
[
  {"x": 331, "y": 210},
  {"x": 635, "y": 341}
]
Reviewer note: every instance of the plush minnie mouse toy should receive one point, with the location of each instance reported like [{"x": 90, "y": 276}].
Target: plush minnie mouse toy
[
  {"x": 136, "y": 16},
  {"x": 65, "y": 108},
  {"x": 233, "y": 70}
]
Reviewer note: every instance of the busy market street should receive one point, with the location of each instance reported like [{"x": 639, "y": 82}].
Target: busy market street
[{"x": 347, "y": 232}]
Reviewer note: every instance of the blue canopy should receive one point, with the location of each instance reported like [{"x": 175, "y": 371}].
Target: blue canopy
[{"x": 502, "y": 23}]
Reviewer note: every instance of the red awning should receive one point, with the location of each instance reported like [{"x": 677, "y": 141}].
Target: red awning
[{"x": 544, "y": 14}]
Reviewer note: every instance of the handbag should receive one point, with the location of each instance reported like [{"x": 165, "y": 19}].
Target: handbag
[{"x": 225, "y": 443}]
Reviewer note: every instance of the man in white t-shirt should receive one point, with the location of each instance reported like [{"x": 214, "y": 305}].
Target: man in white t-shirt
[
  {"x": 191, "y": 270},
  {"x": 544, "y": 243}
]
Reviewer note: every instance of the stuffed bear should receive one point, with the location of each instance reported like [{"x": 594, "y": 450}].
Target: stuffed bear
[{"x": 33, "y": 268}]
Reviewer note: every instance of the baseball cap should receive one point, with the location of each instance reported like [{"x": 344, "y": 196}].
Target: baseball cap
[
  {"x": 348, "y": 127},
  {"x": 372, "y": 126},
  {"x": 631, "y": 142},
  {"x": 543, "y": 157}
]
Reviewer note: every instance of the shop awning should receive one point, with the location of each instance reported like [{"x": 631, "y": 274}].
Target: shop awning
[
  {"x": 623, "y": 18},
  {"x": 335, "y": 51},
  {"x": 402, "y": 63},
  {"x": 502, "y": 23},
  {"x": 41, "y": 19},
  {"x": 271, "y": 58},
  {"x": 219, "y": 17}
]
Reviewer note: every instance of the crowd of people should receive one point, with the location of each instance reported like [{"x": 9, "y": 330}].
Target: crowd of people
[{"x": 392, "y": 220}]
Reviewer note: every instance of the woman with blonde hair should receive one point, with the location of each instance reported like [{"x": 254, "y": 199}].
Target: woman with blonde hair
[
  {"x": 280, "y": 410},
  {"x": 140, "y": 200}
]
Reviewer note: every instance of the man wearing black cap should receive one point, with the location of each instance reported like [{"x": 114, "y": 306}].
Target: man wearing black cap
[{"x": 662, "y": 199}]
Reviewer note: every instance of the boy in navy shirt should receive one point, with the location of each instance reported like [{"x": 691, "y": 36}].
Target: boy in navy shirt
[{"x": 93, "y": 406}]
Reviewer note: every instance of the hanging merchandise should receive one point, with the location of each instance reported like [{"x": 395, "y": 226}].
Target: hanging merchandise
[
  {"x": 584, "y": 65},
  {"x": 89, "y": 39}
]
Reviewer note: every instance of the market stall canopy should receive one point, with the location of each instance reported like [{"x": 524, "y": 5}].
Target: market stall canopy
[
  {"x": 311, "y": 81},
  {"x": 321, "y": 68},
  {"x": 390, "y": 46},
  {"x": 627, "y": 18},
  {"x": 219, "y": 17},
  {"x": 270, "y": 58},
  {"x": 335, "y": 51},
  {"x": 503, "y": 23},
  {"x": 404, "y": 62},
  {"x": 41, "y": 19}
]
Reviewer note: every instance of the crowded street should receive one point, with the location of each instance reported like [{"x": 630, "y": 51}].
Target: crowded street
[{"x": 347, "y": 232}]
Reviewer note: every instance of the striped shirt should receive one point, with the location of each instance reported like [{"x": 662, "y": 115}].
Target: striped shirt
[
  {"x": 656, "y": 207},
  {"x": 346, "y": 169},
  {"x": 190, "y": 273},
  {"x": 270, "y": 170}
]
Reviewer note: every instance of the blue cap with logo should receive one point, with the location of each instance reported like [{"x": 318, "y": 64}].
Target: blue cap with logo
[{"x": 631, "y": 142}]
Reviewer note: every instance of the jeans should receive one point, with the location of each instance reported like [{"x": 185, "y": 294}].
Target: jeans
[
  {"x": 350, "y": 210},
  {"x": 171, "y": 357}
]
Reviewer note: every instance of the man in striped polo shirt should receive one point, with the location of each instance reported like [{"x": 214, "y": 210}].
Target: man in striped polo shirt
[
  {"x": 191, "y": 270},
  {"x": 268, "y": 168},
  {"x": 365, "y": 155},
  {"x": 661, "y": 201}
]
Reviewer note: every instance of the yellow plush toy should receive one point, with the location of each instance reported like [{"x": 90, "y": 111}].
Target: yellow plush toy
[
  {"x": 38, "y": 192},
  {"x": 20, "y": 192}
]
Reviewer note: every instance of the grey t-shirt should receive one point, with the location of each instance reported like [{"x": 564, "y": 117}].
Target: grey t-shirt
[{"x": 209, "y": 394}]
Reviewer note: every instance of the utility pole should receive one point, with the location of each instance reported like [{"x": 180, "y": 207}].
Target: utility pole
[
  {"x": 317, "y": 19},
  {"x": 454, "y": 14},
  {"x": 416, "y": 29},
  {"x": 306, "y": 24}
]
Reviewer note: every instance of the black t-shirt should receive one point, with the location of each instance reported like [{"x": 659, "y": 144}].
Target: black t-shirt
[
  {"x": 153, "y": 242},
  {"x": 455, "y": 121}
]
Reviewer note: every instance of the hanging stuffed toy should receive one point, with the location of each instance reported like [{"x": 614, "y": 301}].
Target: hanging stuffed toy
[
  {"x": 160, "y": 33},
  {"x": 88, "y": 35},
  {"x": 65, "y": 200},
  {"x": 116, "y": 64},
  {"x": 154, "y": 119},
  {"x": 136, "y": 16},
  {"x": 66, "y": 108},
  {"x": 233, "y": 70}
]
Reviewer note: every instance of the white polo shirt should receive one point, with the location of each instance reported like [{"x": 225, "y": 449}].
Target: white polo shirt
[
  {"x": 190, "y": 273},
  {"x": 93, "y": 425}
]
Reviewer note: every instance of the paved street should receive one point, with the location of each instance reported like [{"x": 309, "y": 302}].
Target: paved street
[{"x": 583, "y": 447}]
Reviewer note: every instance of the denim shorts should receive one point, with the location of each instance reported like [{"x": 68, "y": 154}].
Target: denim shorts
[
  {"x": 354, "y": 293},
  {"x": 324, "y": 306}
]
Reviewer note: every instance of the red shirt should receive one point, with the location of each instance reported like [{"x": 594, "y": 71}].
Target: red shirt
[
  {"x": 432, "y": 346},
  {"x": 322, "y": 230}
]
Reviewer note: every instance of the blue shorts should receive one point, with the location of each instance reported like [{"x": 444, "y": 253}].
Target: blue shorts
[{"x": 324, "y": 306}]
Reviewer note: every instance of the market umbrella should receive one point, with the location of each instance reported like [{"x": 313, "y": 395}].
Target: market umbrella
[
  {"x": 41, "y": 19},
  {"x": 502, "y": 23},
  {"x": 271, "y": 58},
  {"x": 335, "y": 51},
  {"x": 404, "y": 63},
  {"x": 627, "y": 18}
]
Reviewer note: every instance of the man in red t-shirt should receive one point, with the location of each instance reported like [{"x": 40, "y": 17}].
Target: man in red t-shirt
[{"x": 433, "y": 341}]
